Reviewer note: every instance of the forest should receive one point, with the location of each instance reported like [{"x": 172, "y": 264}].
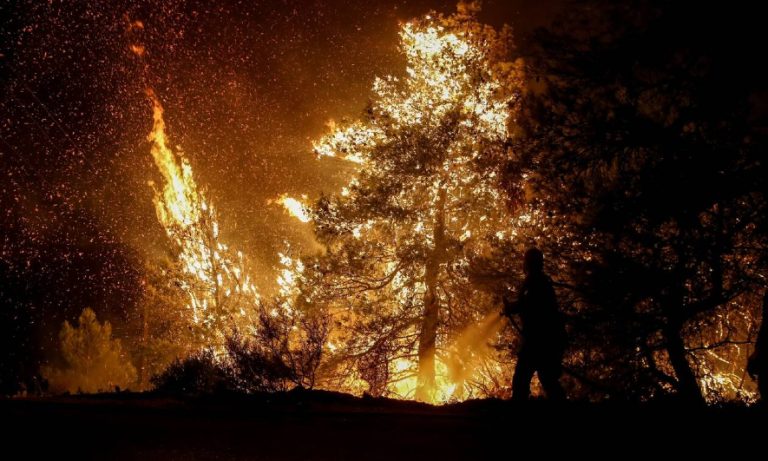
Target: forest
[{"x": 625, "y": 140}]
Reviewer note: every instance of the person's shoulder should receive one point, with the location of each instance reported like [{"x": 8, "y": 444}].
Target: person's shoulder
[
  {"x": 545, "y": 279},
  {"x": 548, "y": 284},
  {"x": 539, "y": 282}
]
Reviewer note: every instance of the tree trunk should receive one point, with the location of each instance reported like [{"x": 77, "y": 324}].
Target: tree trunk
[
  {"x": 425, "y": 385},
  {"x": 687, "y": 385}
]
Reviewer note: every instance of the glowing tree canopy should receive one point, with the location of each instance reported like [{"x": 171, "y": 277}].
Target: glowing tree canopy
[
  {"x": 95, "y": 361},
  {"x": 424, "y": 204}
]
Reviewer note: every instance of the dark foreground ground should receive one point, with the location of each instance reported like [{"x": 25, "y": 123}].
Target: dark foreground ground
[{"x": 326, "y": 426}]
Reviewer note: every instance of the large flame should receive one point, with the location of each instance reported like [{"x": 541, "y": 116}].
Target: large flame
[{"x": 221, "y": 293}]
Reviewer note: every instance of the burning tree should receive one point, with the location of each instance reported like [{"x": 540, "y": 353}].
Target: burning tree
[
  {"x": 401, "y": 238},
  {"x": 257, "y": 344},
  {"x": 645, "y": 146},
  {"x": 222, "y": 297}
]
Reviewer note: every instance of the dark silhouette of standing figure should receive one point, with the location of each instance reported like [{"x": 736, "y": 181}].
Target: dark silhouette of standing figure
[
  {"x": 542, "y": 331},
  {"x": 757, "y": 365}
]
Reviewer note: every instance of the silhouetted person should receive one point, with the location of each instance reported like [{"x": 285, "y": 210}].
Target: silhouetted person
[
  {"x": 542, "y": 331},
  {"x": 757, "y": 365}
]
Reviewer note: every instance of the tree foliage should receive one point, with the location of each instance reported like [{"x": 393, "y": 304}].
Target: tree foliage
[
  {"x": 637, "y": 138},
  {"x": 92, "y": 360},
  {"x": 403, "y": 237},
  {"x": 285, "y": 354}
]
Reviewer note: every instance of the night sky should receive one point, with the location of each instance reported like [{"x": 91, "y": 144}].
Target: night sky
[{"x": 246, "y": 85}]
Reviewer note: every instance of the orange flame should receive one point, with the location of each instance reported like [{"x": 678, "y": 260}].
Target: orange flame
[
  {"x": 221, "y": 292},
  {"x": 295, "y": 208},
  {"x": 138, "y": 50}
]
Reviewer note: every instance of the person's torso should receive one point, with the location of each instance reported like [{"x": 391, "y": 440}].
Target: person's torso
[{"x": 538, "y": 308}]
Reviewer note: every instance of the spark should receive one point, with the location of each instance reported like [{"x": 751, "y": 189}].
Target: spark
[{"x": 295, "y": 208}]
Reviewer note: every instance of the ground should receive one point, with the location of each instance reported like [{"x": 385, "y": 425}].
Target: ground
[{"x": 327, "y": 426}]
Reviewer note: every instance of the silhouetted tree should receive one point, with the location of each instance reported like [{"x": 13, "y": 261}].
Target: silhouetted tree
[
  {"x": 285, "y": 352},
  {"x": 637, "y": 138},
  {"x": 199, "y": 373}
]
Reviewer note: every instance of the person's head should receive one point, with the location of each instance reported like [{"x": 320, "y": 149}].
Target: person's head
[{"x": 533, "y": 261}]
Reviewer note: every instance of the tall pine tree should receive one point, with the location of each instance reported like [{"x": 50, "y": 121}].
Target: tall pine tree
[{"x": 401, "y": 238}]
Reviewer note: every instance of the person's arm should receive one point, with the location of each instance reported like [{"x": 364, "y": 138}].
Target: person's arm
[{"x": 512, "y": 306}]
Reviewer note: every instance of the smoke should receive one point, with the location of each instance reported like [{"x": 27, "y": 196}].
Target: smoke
[{"x": 471, "y": 351}]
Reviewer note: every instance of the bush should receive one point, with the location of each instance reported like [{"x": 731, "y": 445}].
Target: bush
[{"x": 198, "y": 374}]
